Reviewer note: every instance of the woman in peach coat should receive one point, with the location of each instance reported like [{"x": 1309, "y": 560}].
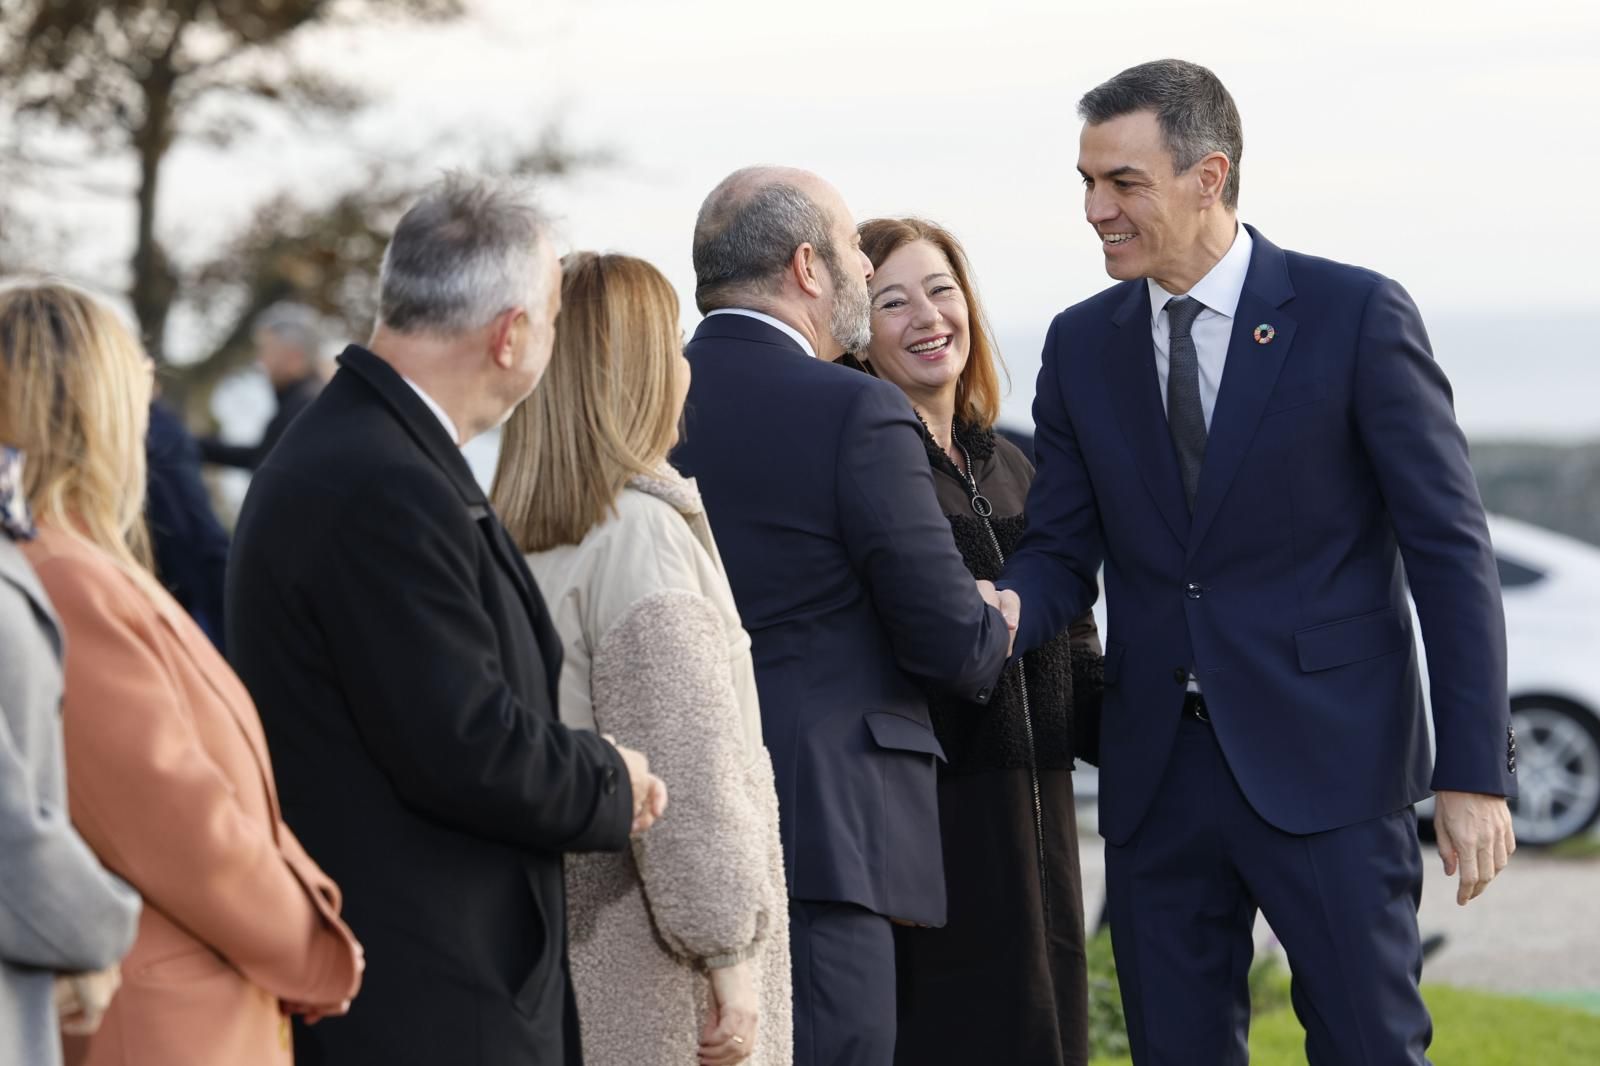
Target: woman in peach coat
[{"x": 168, "y": 775}]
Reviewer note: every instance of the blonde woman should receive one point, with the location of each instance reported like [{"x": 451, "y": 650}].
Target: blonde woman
[
  {"x": 168, "y": 776},
  {"x": 679, "y": 951}
]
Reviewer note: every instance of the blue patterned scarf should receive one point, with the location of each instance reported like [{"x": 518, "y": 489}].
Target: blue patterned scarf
[{"x": 14, "y": 517}]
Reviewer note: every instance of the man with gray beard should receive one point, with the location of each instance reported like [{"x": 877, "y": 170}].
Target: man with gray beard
[{"x": 847, "y": 580}]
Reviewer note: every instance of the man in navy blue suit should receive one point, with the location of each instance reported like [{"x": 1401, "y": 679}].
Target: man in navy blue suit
[
  {"x": 817, "y": 483},
  {"x": 1254, "y": 441}
]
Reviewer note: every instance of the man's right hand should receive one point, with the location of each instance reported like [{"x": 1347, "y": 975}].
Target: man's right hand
[
  {"x": 1008, "y": 603},
  {"x": 649, "y": 791}
]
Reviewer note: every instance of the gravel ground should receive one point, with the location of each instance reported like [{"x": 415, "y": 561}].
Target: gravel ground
[{"x": 1536, "y": 929}]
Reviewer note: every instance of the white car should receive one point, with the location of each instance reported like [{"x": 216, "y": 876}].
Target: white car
[{"x": 1551, "y": 587}]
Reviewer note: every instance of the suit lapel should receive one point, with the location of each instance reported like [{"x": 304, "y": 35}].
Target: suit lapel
[
  {"x": 1248, "y": 378},
  {"x": 505, "y": 553},
  {"x": 424, "y": 428},
  {"x": 1136, "y": 394}
]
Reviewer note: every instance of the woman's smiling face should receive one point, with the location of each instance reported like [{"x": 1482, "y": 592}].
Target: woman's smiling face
[{"x": 920, "y": 328}]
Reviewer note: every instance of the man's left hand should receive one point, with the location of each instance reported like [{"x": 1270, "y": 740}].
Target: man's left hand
[{"x": 1475, "y": 836}]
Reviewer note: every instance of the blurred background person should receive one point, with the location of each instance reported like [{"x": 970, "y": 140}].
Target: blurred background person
[
  {"x": 288, "y": 340},
  {"x": 188, "y": 543},
  {"x": 405, "y": 663},
  {"x": 60, "y": 911},
  {"x": 1005, "y": 979},
  {"x": 685, "y": 941},
  {"x": 168, "y": 773}
]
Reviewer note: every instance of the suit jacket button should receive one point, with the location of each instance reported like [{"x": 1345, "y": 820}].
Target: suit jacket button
[
  {"x": 609, "y": 781},
  {"x": 983, "y": 695},
  {"x": 1181, "y": 676},
  {"x": 1192, "y": 591}
]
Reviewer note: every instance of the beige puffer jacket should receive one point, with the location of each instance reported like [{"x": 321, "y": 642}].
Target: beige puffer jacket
[{"x": 655, "y": 654}]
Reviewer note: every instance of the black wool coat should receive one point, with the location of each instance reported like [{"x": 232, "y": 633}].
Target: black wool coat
[{"x": 405, "y": 669}]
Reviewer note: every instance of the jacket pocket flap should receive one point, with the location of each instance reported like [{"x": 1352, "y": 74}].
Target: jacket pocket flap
[
  {"x": 899, "y": 733},
  {"x": 1350, "y": 640}
]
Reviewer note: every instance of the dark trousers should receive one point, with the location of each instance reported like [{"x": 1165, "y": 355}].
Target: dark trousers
[
  {"x": 1183, "y": 895},
  {"x": 844, "y": 1008}
]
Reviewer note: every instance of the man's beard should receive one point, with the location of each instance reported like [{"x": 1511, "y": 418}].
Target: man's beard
[{"x": 850, "y": 320}]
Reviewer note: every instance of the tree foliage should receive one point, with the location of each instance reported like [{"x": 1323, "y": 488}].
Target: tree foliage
[{"x": 86, "y": 81}]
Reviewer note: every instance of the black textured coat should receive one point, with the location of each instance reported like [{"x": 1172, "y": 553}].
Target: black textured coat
[
  {"x": 1004, "y": 980},
  {"x": 1063, "y": 675}
]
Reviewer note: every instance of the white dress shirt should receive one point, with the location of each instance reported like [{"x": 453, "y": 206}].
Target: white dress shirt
[
  {"x": 1219, "y": 290},
  {"x": 769, "y": 320},
  {"x": 444, "y": 419}
]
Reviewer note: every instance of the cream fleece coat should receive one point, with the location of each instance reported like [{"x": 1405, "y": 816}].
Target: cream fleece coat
[{"x": 655, "y": 654}]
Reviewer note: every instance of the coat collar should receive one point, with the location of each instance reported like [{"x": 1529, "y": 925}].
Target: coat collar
[
  {"x": 424, "y": 428},
  {"x": 748, "y": 330},
  {"x": 14, "y": 570},
  {"x": 417, "y": 420},
  {"x": 672, "y": 487}
]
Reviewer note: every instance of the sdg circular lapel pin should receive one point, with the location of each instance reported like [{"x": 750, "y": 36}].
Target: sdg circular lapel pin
[{"x": 1264, "y": 333}]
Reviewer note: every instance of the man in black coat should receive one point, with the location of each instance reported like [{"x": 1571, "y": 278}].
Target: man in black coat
[
  {"x": 846, "y": 576},
  {"x": 288, "y": 348},
  {"x": 406, "y": 669}
]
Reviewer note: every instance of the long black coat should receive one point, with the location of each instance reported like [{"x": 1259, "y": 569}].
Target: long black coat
[
  {"x": 1005, "y": 980},
  {"x": 406, "y": 670}
]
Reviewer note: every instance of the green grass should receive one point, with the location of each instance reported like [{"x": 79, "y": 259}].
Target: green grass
[
  {"x": 1470, "y": 1029},
  {"x": 1583, "y": 847}
]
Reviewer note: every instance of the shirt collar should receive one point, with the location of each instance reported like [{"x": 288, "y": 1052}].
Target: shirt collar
[
  {"x": 769, "y": 320},
  {"x": 1219, "y": 290},
  {"x": 438, "y": 412}
]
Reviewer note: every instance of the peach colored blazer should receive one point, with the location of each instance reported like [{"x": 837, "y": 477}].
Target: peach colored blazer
[{"x": 170, "y": 783}]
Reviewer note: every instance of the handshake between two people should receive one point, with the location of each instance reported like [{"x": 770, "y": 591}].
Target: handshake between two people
[
  {"x": 1008, "y": 604},
  {"x": 649, "y": 791}
]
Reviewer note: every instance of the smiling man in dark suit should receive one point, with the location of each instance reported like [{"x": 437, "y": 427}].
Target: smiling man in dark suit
[
  {"x": 846, "y": 577},
  {"x": 1254, "y": 441},
  {"x": 405, "y": 665}
]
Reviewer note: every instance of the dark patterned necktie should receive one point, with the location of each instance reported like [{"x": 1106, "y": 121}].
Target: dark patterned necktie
[{"x": 1186, "y": 418}]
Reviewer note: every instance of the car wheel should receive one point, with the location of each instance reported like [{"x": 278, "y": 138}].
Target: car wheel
[{"x": 1558, "y": 769}]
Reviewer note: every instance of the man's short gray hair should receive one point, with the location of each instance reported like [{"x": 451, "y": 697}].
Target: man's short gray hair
[
  {"x": 1196, "y": 113},
  {"x": 744, "y": 237},
  {"x": 468, "y": 250},
  {"x": 295, "y": 324}
]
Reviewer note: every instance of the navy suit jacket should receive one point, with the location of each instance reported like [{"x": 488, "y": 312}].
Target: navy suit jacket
[
  {"x": 849, "y": 582},
  {"x": 1333, "y": 455}
]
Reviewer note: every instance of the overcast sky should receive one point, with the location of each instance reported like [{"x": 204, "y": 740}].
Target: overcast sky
[{"x": 1450, "y": 144}]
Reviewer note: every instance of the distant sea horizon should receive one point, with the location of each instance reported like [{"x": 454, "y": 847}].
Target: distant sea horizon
[{"x": 1532, "y": 379}]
